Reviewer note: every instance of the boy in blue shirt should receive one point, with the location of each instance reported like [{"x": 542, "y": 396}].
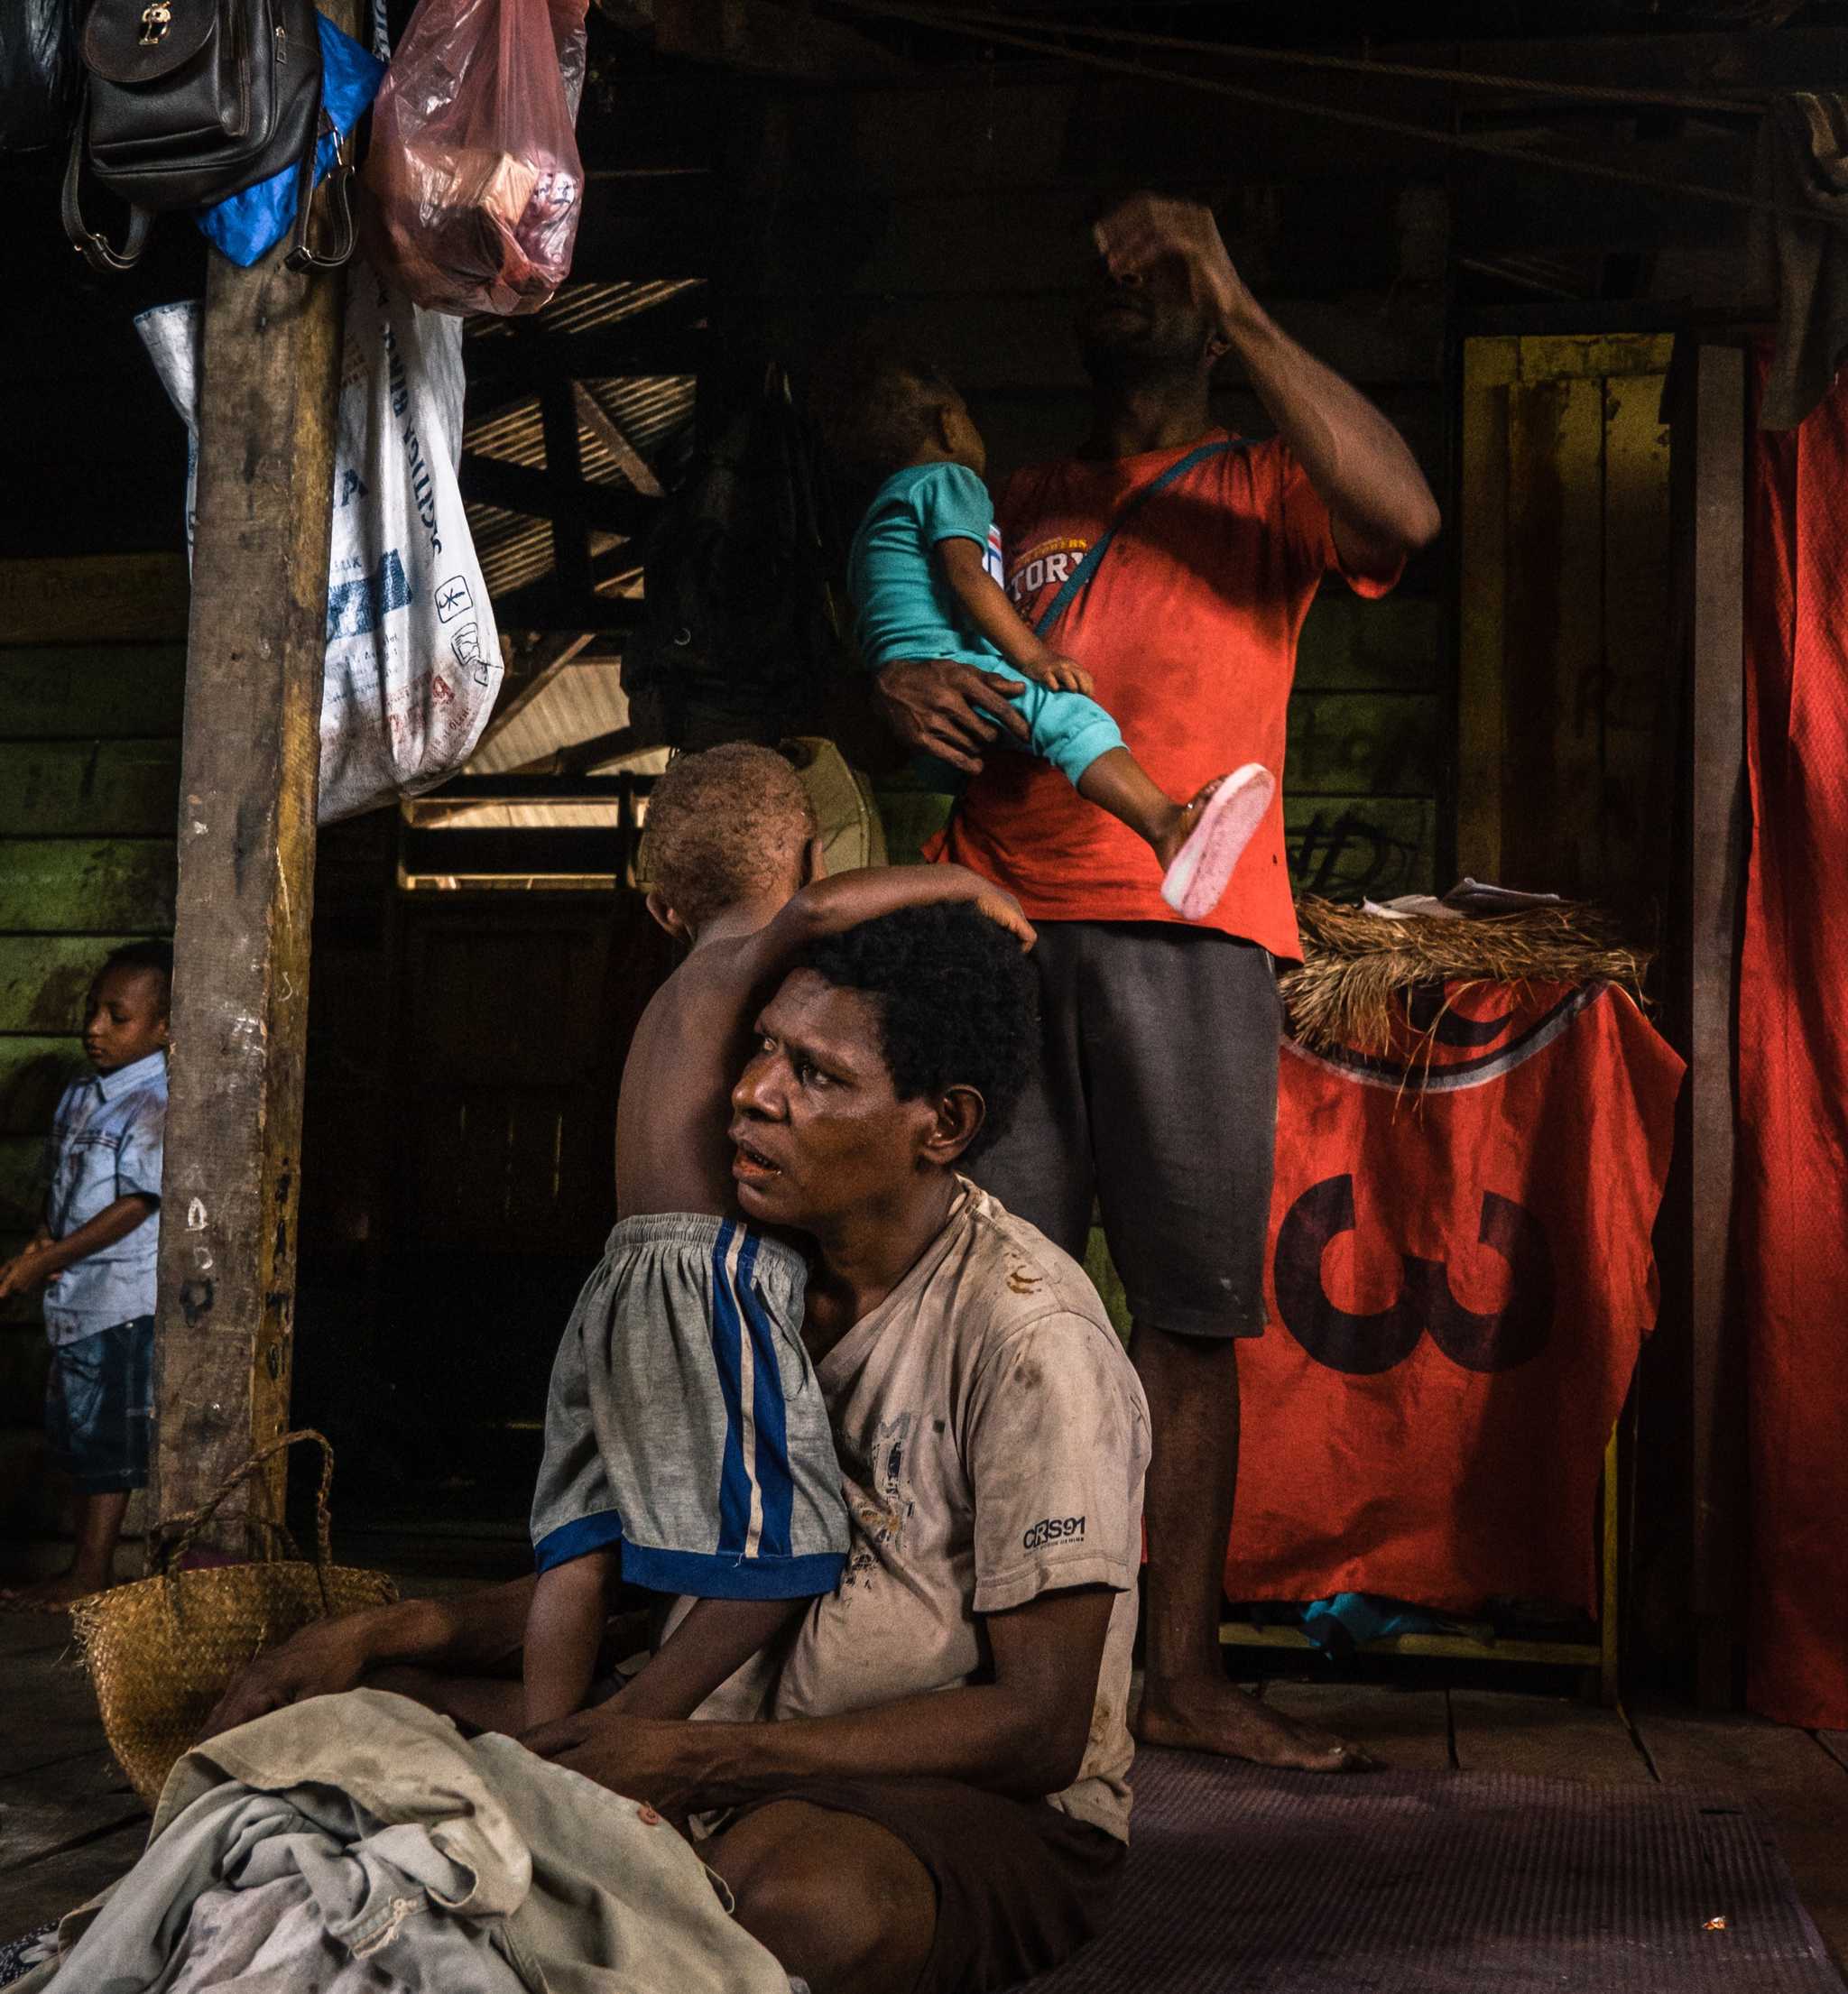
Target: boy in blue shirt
[
  {"x": 96, "y": 1247},
  {"x": 924, "y": 574}
]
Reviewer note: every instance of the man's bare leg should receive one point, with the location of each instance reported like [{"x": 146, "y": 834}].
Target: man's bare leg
[
  {"x": 1191, "y": 1383},
  {"x": 839, "y": 1901},
  {"x": 97, "y": 1519}
]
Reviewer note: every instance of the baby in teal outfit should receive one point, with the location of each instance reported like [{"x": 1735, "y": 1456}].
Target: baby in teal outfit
[{"x": 925, "y": 575}]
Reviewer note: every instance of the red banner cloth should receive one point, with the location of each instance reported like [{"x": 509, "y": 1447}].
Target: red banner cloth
[
  {"x": 1792, "y": 1188},
  {"x": 1460, "y": 1280}
]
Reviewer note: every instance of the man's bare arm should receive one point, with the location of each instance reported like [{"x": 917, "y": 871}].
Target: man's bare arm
[
  {"x": 475, "y": 1633},
  {"x": 1378, "y": 504},
  {"x": 1023, "y": 1733}
]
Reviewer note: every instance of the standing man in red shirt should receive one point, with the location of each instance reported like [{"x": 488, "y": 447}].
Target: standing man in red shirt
[{"x": 1158, "y": 1096}]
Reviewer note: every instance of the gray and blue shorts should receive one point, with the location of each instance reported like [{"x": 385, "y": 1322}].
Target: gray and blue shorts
[{"x": 685, "y": 1425}]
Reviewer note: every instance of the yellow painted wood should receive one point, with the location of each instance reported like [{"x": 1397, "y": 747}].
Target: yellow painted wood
[
  {"x": 1443, "y": 1647},
  {"x": 1610, "y": 1604},
  {"x": 1488, "y": 365},
  {"x": 1565, "y": 618},
  {"x": 1595, "y": 356},
  {"x": 1553, "y": 639},
  {"x": 1638, "y": 755}
]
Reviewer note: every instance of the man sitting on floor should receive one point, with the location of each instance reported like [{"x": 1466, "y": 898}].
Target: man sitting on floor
[{"x": 940, "y": 1799}]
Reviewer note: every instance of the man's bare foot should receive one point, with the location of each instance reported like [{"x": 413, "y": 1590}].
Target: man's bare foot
[
  {"x": 1219, "y": 1717},
  {"x": 50, "y": 1595}
]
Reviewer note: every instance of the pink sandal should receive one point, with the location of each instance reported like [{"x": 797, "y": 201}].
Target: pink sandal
[{"x": 1204, "y": 865}]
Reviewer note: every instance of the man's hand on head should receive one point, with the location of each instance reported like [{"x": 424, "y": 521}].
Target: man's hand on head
[
  {"x": 953, "y": 711},
  {"x": 1148, "y": 230}
]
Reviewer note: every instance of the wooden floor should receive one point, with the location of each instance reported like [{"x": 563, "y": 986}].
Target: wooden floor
[{"x": 68, "y": 1823}]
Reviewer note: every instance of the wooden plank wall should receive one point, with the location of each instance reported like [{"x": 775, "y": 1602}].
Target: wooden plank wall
[
  {"x": 92, "y": 675},
  {"x": 1567, "y": 653},
  {"x": 958, "y": 217}
]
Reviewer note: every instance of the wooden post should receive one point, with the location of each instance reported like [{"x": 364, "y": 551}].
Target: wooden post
[
  {"x": 249, "y": 778},
  {"x": 1716, "y": 845}
]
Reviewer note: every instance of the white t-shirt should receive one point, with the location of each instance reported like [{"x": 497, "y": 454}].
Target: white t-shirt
[{"x": 993, "y": 1440}]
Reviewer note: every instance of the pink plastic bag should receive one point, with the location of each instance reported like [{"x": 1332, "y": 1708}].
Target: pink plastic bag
[{"x": 474, "y": 174}]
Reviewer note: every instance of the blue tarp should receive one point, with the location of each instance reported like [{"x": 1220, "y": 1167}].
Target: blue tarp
[{"x": 246, "y": 226}]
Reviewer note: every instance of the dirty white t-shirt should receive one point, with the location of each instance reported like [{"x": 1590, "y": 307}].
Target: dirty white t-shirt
[{"x": 993, "y": 1440}]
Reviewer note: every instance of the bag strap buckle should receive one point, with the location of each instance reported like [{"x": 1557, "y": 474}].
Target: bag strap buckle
[{"x": 156, "y": 18}]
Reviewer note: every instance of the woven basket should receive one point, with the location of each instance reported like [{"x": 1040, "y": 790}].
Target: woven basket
[{"x": 162, "y": 1651}]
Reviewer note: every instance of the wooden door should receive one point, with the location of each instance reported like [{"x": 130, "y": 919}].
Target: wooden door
[{"x": 1567, "y": 649}]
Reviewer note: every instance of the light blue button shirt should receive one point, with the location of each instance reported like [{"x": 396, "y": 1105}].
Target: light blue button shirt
[{"x": 106, "y": 1144}]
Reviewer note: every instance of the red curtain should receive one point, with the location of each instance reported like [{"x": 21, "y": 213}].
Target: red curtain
[{"x": 1792, "y": 1196}]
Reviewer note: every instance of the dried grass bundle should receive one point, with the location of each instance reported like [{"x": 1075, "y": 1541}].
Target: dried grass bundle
[{"x": 1357, "y": 967}]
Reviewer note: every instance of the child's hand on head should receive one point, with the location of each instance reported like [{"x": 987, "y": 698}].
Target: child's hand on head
[
  {"x": 1004, "y": 910},
  {"x": 1059, "y": 674}
]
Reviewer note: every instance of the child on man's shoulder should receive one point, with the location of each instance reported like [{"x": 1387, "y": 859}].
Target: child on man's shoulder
[
  {"x": 687, "y": 1447},
  {"x": 96, "y": 1247}
]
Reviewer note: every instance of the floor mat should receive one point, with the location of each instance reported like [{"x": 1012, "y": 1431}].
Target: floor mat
[{"x": 1435, "y": 1883}]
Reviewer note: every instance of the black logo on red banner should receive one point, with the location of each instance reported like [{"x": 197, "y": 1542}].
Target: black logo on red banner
[{"x": 1364, "y": 1345}]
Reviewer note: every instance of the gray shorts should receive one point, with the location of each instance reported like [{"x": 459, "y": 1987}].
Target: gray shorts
[
  {"x": 1157, "y": 1099},
  {"x": 685, "y": 1424}
]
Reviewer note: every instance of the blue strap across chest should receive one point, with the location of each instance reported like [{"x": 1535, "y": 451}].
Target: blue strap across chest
[{"x": 1130, "y": 506}]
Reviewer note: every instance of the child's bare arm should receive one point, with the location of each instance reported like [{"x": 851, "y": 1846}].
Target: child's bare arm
[
  {"x": 832, "y": 906},
  {"x": 984, "y": 603},
  {"x": 564, "y": 1630},
  {"x": 714, "y": 1640},
  {"x": 46, "y": 1256}
]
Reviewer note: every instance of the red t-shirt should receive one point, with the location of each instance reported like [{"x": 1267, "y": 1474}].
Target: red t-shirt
[{"x": 1189, "y": 627}]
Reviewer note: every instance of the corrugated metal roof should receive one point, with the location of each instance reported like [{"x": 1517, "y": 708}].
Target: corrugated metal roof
[
  {"x": 655, "y": 413},
  {"x": 578, "y": 703}
]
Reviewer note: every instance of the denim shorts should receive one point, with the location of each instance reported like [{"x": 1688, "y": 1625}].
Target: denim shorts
[{"x": 98, "y": 1406}]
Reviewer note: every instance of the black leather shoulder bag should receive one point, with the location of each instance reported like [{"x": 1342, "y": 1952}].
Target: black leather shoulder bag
[{"x": 187, "y": 101}]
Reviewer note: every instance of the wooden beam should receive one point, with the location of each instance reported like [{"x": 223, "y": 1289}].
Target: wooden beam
[
  {"x": 1716, "y": 846},
  {"x": 547, "y": 604},
  {"x": 249, "y": 779},
  {"x": 553, "y": 493},
  {"x": 604, "y": 426}
]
